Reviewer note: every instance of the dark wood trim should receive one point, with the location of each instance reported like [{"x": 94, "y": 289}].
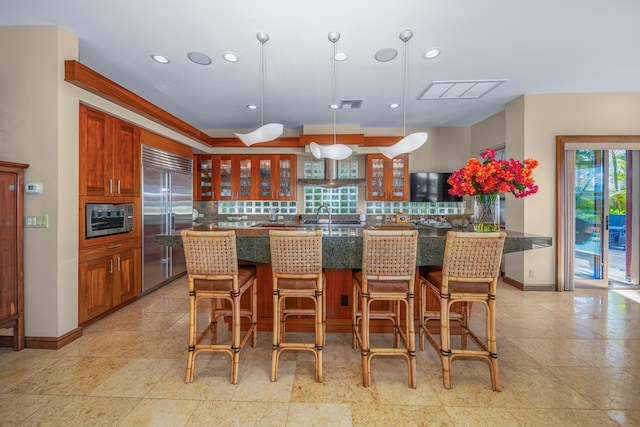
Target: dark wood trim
[
  {"x": 348, "y": 139},
  {"x": 380, "y": 141},
  {"x": 513, "y": 282},
  {"x": 163, "y": 143},
  {"x": 53, "y": 343},
  {"x": 88, "y": 79}
]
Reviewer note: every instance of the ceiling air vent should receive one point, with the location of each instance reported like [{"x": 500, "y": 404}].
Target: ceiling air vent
[
  {"x": 460, "y": 89},
  {"x": 350, "y": 104}
]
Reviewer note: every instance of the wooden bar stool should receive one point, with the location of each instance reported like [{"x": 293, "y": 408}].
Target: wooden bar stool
[
  {"x": 388, "y": 274},
  {"x": 296, "y": 262},
  {"x": 213, "y": 273},
  {"x": 469, "y": 274}
]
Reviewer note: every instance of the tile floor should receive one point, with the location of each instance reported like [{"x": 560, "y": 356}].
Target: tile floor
[{"x": 565, "y": 359}]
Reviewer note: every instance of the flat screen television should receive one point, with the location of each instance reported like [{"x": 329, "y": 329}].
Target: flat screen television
[{"x": 431, "y": 187}]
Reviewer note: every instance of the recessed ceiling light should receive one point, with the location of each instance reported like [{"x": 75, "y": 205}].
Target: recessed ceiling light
[
  {"x": 199, "y": 58},
  {"x": 334, "y": 106},
  {"x": 386, "y": 54},
  {"x": 252, "y": 107},
  {"x": 230, "y": 57},
  {"x": 160, "y": 58},
  {"x": 432, "y": 53},
  {"x": 341, "y": 55},
  {"x": 394, "y": 105}
]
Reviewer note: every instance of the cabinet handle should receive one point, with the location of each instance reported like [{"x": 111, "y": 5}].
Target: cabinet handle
[
  {"x": 111, "y": 266},
  {"x": 114, "y": 246},
  {"x": 118, "y": 186},
  {"x": 111, "y": 186},
  {"x": 118, "y": 263}
]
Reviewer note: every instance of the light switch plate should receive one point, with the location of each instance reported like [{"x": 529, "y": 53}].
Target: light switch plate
[{"x": 37, "y": 221}]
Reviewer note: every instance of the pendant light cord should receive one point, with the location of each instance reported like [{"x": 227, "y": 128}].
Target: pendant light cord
[
  {"x": 405, "y": 72},
  {"x": 262, "y": 72},
  {"x": 334, "y": 76}
]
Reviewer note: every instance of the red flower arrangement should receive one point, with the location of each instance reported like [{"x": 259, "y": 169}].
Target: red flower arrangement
[{"x": 490, "y": 177}]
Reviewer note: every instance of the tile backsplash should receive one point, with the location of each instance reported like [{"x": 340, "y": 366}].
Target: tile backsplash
[
  {"x": 209, "y": 209},
  {"x": 416, "y": 208}
]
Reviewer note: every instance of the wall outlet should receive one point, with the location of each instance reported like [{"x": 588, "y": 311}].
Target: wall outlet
[
  {"x": 245, "y": 217},
  {"x": 280, "y": 217},
  {"x": 39, "y": 221},
  {"x": 532, "y": 273}
]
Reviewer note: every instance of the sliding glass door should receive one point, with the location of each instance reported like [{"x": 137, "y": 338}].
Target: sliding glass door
[{"x": 600, "y": 186}]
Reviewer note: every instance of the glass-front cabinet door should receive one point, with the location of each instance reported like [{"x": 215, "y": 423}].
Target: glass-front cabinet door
[
  {"x": 399, "y": 172},
  {"x": 203, "y": 184},
  {"x": 375, "y": 170},
  {"x": 285, "y": 185},
  {"x": 244, "y": 188},
  {"x": 265, "y": 166},
  {"x": 226, "y": 186},
  {"x": 387, "y": 179}
]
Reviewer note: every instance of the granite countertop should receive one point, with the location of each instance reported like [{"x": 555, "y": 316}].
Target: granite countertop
[{"x": 342, "y": 246}]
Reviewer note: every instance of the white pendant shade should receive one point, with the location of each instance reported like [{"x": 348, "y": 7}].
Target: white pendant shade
[
  {"x": 265, "y": 132},
  {"x": 333, "y": 151},
  {"x": 262, "y": 134},
  {"x": 406, "y": 145}
]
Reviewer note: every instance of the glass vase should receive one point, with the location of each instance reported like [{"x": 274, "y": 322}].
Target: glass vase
[{"x": 486, "y": 212}]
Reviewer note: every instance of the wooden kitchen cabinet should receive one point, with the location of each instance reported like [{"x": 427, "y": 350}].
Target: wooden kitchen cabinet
[
  {"x": 203, "y": 173},
  {"x": 284, "y": 186},
  {"x": 233, "y": 180},
  {"x": 387, "y": 179},
  {"x": 275, "y": 175},
  {"x": 245, "y": 177},
  {"x": 11, "y": 250},
  {"x": 109, "y": 276},
  {"x": 110, "y": 155}
]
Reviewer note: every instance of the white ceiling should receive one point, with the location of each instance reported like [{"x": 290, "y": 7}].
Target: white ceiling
[{"x": 538, "y": 47}]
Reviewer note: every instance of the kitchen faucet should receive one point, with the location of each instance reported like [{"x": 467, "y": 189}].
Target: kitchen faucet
[{"x": 318, "y": 213}]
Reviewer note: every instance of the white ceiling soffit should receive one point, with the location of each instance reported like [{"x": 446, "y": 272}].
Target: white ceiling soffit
[{"x": 460, "y": 89}]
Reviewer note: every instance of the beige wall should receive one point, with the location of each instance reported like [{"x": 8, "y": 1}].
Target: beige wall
[
  {"x": 531, "y": 124},
  {"x": 29, "y": 133},
  {"x": 446, "y": 150},
  {"x": 39, "y": 126}
]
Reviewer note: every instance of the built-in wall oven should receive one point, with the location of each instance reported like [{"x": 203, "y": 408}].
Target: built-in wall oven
[{"x": 104, "y": 219}]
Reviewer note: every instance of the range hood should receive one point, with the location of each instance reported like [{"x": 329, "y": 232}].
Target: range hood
[{"x": 330, "y": 179}]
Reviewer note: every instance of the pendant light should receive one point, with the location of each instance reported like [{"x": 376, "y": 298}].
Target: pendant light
[
  {"x": 333, "y": 151},
  {"x": 414, "y": 141},
  {"x": 265, "y": 132}
]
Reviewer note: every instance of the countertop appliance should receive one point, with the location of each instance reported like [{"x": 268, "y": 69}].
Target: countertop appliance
[
  {"x": 167, "y": 206},
  {"x": 104, "y": 219}
]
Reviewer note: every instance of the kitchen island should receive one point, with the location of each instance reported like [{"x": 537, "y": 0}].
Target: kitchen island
[
  {"x": 342, "y": 246},
  {"x": 341, "y": 252}
]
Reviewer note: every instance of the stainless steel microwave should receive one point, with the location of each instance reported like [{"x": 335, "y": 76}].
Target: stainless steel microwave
[{"x": 104, "y": 219}]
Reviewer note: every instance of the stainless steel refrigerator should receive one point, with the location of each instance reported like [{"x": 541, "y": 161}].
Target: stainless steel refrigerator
[{"x": 167, "y": 207}]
